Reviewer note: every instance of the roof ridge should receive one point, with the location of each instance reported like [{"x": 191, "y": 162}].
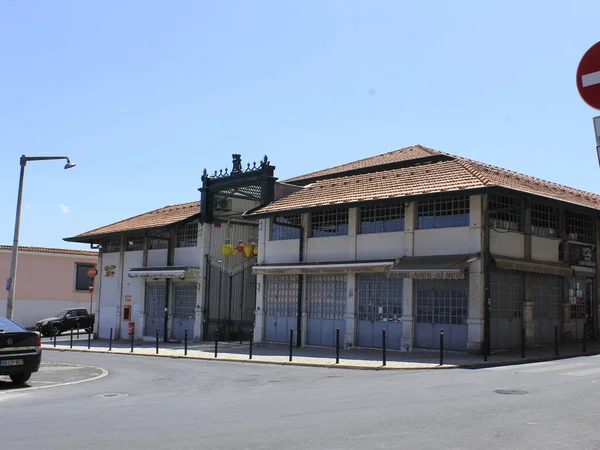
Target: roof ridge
[
  {"x": 467, "y": 165},
  {"x": 139, "y": 215}
]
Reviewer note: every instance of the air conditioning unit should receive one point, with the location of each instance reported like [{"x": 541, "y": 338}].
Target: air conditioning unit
[{"x": 224, "y": 205}]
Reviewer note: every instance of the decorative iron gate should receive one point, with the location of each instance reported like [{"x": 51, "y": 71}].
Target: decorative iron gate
[
  {"x": 230, "y": 300},
  {"x": 156, "y": 298}
]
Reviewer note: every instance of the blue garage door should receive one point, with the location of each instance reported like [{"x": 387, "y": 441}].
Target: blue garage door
[
  {"x": 326, "y": 309},
  {"x": 281, "y": 306},
  {"x": 379, "y": 307}
]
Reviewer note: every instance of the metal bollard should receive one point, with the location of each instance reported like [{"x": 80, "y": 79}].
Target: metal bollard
[
  {"x": 384, "y": 347},
  {"x": 337, "y": 345},
  {"x": 110, "y": 340},
  {"x": 216, "y": 342},
  {"x": 555, "y": 340},
  {"x": 441, "y": 347},
  {"x": 77, "y": 325},
  {"x": 132, "y": 337},
  {"x": 584, "y": 340},
  {"x": 71, "y": 340},
  {"x": 157, "y": 338},
  {"x": 251, "y": 344},
  {"x": 185, "y": 343},
  {"x": 55, "y": 339},
  {"x": 291, "y": 342},
  {"x": 89, "y": 338},
  {"x": 522, "y": 342}
]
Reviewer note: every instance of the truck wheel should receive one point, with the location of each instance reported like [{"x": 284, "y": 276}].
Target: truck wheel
[
  {"x": 20, "y": 378},
  {"x": 55, "y": 330}
]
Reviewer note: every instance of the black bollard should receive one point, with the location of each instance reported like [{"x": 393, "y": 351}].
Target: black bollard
[
  {"x": 185, "y": 342},
  {"x": 383, "y": 347},
  {"x": 441, "y": 347},
  {"x": 55, "y": 339},
  {"x": 337, "y": 345},
  {"x": 71, "y": 340},
  {"x": 555, "y": 340},
  {"x": 251, "y": 344},
  {"x": 522, "y": 342},
  {"x": 89, "y": 338},
  {"x": 291, "y": 342},
  {"x": 216, "y": 342},
  {"x": 110, "y": 340},
  {"x": 584, "y": 340},
  {"x": 77, "y": 325},
  {"x": 132, "y": 337},
  {"x": 157, "y": 339}
]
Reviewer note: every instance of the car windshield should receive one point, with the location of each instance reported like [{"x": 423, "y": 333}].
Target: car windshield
[
  {"x": 8, "y": 326},
  {"x": 63, "y": 313}
]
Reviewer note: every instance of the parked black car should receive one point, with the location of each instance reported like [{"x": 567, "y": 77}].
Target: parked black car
[
  {"x": 67, "y": 319},
  {"x": 20, "y": 351}
]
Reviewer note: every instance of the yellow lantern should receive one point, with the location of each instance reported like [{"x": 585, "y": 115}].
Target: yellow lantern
[
  {"x": 249, "y": 248},
  {"x": 227, "y": 248},
  {"x": 255, "y": 249}
]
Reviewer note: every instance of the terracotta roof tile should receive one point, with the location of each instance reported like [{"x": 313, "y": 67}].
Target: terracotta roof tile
[
  {"x": 59, "y": 251},
  {"x": 403, "y": 154},
  {"x": 167, "y": 215}
]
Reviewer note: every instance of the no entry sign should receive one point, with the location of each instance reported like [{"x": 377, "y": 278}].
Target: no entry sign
[{"x": 588, "y": 76}]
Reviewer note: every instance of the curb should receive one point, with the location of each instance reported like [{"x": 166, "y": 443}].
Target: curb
[{"x": 516, "y": 362}]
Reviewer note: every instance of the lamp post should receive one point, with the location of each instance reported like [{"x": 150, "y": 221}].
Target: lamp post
[{"x": 10, "y": 283}]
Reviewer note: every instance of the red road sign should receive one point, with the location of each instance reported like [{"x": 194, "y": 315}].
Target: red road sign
[
  {"x": 92, "y": 272},
  {"x": 588, "y": 76},
  {"x": 91, "y": 287}
]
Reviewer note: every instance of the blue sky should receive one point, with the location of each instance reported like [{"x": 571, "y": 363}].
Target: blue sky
[{"x": 143, "y": 95}]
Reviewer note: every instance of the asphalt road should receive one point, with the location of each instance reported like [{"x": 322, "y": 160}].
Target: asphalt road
[{"x": 160, "y": 403}]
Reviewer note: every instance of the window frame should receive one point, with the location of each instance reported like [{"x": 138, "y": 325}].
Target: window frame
[
  {"x": 85, "y": 266},
  {"x": 339, "y": 218},
  {"x": 430, "y": 217},
  {"x": 279, "y": 232},
  {"x": 382, "y": 218}
]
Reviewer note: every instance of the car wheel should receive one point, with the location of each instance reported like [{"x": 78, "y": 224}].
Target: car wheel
[
  {"x": 55, "y": 330},
  {"x": 20, "y": 378}
]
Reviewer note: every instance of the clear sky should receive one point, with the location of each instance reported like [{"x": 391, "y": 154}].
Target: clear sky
[{"x": 144, "y": 94}]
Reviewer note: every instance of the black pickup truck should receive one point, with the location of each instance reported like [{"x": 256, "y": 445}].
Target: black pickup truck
[{"x": 67, "y": 319}]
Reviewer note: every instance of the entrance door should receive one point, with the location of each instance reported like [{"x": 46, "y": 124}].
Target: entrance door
[
  {"x": 506, "y": 309},
  {"x": 281, "y": 306},
  {"x": 379, "y": 307},
  {"x": 156, "y": 299},
  {"x": 326, "y": 308},
  {"x": 184, "y": 309},
  {"x": 442, "y": 305},
  {"x": 546, "y": 291},
  {"x": 581, "y": 298}
]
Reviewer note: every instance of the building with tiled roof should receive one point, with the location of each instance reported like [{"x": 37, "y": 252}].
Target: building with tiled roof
[
  {"x": 413, "y": 241},
  {"x": 48, "y": 280}
]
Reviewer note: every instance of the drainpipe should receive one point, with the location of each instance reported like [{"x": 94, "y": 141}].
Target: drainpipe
[{"x": 300, "y": 280}]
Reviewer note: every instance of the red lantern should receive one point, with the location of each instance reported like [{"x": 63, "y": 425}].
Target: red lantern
[{"x": 240, "y": 247}]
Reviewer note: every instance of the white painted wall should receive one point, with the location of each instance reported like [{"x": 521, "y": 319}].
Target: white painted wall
[
  {"x": 157, "y": 258},
  {"x": 135, "y": 288},
  {"x": 28, "y": 311},
  {"x": 109, "y": 294},
  {"x": 380, "y": 245},
  {"x": 187, "y": 256},
  {"x": 330, "y": 248},
  {"x": 507, "y": 243},
  {"x": 442, "y": 241},
  {"x": 544, "y": 249},
  {"x": 283, "y": 251}
]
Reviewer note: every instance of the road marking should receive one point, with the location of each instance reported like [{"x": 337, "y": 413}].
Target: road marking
[
  {"x": 583, "y": 373},
  {"x": 69, "y": 383},
  {"x": 590, "y": 79}
]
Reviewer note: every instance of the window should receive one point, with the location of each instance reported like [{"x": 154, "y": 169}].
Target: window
[
  {"x": 442, "y": 301},
  {"x": 111, "y": 245},
  {"x": 332, "y": 222},
  {"x": 326, "y": 296},
  {"x": 505, "y": 212},
  {"x": 281, "y": 232},
  {"x": 379, "y": 298},
  {"x": 158, "y": 239},
  {"x": 382, "y": 218},
  {"x": 82, "y": 280},
  {"x": 544, "y": 220},
  {"x": 281, "y": 295},
  {"x": 134, "y": 242},
  {"x": 187, "y": 236},
  {"x": 443, "y": 213},
  {"x": 579, "y": 227}
]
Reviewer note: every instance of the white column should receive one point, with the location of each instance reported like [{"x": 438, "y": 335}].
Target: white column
[
  {"x": 408, "y": 323},
  {"x": 475, "y": 317},
  {"x": 350, "y": 334},
  {"x": 259, "y": 313}
]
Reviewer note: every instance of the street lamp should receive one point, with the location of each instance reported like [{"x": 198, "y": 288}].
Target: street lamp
[{"x": 10, "y": 283}]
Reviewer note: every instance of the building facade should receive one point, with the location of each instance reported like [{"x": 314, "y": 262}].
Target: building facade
[{"x": 48, "y": 281}]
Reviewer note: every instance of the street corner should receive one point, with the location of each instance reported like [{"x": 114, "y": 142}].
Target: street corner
[{"x": 54, "y": 374}]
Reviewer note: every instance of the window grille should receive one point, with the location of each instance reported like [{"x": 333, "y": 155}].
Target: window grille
[
  {"x": 111, "y": 245},
  {"x": 511, "y": 216},
  {"x": 443, "y": 213},
  {"x": 579, "y": 227},
  {"x": 577, "y": 299},
  {"x": 281, "y": 295},
  {"x": 382, "y": 218},
  {"x": 155, "y": 244},
  {"x": 547, "y": 296},
  {"x": 442, "y": 301},
  {"x": 506, "y": 292},
  {"x": 326, "y": 296},
  {"x": 282, "y": 232},
  {"x": 331, "y": 222},
  {"x": 187, "y": 236},
  {"x": 379, "y": 298},
  {"x": 82, "y": 280},
  {"x": 134, "y": 242},
  {"x": 185, "y": 296},
  {"x": 544, "y": 220}
]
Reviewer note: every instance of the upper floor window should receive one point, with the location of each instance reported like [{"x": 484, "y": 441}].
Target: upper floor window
[
  {"x": 505, "y": 212},
  {"x": 579, "y": 227},
  {"x": 111, "y": 245},
  {"x": 331, "y": 222},
  {"x": 134, "y": 242},
  {"x": 443, "y": 213},
  {"x": 82, "y": 280},
  {"x": 544, "y": 220},
  {"x": 279, "y": 229},
  {"x": 382, "y": 218},
  {"x": 187, "y": 235},
  {"x": 158, "y": 239}
]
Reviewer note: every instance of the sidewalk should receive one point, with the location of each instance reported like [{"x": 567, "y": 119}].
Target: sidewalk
[{"x": 356, "y": 358}]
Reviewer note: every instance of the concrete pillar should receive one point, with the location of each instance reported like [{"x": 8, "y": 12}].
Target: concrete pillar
[
  {"x": 350, "y": 316},
  {"x": 475, "y": 320},
  {"x": 259, "y": 313},
  {"x": 408, "y": 315}
]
